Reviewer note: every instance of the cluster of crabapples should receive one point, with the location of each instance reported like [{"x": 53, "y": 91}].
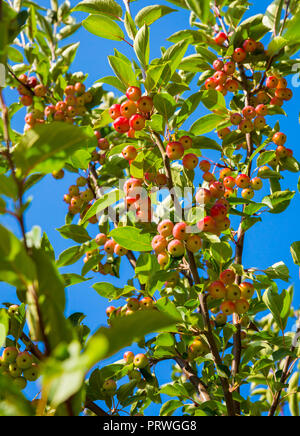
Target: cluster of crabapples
[
  {"x": 235, "y": 297},
  {"x": 130, "y": 116},
  {"x": 21, "y": 367},
  {"x": 73, "y": 104},
  {"x": 132, "y": 305},
  {"x": 111, "y": 248},
  {"x": 226, "y": 187},
  {"x": 78, "y": 200},
  {"x": 272, "y": 90},
  {"x": 135, "y": 363}
]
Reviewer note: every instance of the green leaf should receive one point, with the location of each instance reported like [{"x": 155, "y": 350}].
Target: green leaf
[
  {"x": 206, "y": 124},
  {"x": 123, "y": 332},
  {"x": 295, "y": 251},
  {"x": 47, "y": 147},
  {"x": 169, "y": 407},
  {"x": 51, "y": 298},
  {"x": 278, "y": 271},
  {"x": 72, "y": 279},
  {"x": 276, "y": 304},
  {"x": 201, "y": 8},
  {"x": 4, "y": 326},
  {"x": 142, "y": 45},
  {"x": 75, "y": 232},
  {"x": 272, "y": 15},
  {"x": 279, "y": 201},
  {"x": 221, "y": 252},
  {"x": 8, "y": 187},
  {"x": 111, "y": 292},
  {"x": 265, "y": 157},
  {"x": 102, "y": 203},
  {"x": 16, "y": 267},
  {"x": 150, "y": 14},
  {"x": 104, "y": 27},
  {"x": 165, "y": 104},
  {"x": 174, "y": 55},
  {"x": 194, "y": 63},
  {"x": 165, "y": 340},
  {"x": 123, "y": 71},
  {"x": 105, "y": 7},
  {"x": 132, "y": 238}
]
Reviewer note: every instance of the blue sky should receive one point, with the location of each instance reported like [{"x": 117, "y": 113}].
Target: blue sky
[{"x": 266, "y": 244}]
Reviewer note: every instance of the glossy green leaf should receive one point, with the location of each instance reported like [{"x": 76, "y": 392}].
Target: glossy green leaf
[{"x": 104, "y": 27}]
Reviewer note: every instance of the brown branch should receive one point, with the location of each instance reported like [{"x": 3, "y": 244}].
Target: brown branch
[
  {"x": 193, "y": 267},
  {"x": 99, "y": 194},
  {"x": 193, "y": 379},
  {"x": 94, "y": 408},
  {"x": 286, "y": 372}
]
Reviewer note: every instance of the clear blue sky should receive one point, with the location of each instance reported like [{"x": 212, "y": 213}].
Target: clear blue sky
[{"x": 266, "y": 244}]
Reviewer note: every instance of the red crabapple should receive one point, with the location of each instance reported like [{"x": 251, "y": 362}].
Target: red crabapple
[
  {"x": 186, "y": 142},
  {"x": 205, "y": 166},
  {"x": 248, "y": 194},
  {"x": 279, "y": 138},
  {"x": 174, "y": 150},
  {"x": 261, "y": 110},
  {"x": 249, "y": 45},
  {"x": 121, "y": 125},
  {"x": 217, "y": 189},
  {"x": 165, "y": 228},
  {"x": 217, "y": 290},
  {"x": 272, "y": 82},
  {"x": 140, "y": 361},
  {"x": 241, "y": 307},
  {"x": 227, "y": 307},
  {"x": 243, "y": 181},
  {"x": 203, "y": 196},
  {"x": 190, "y": 161},
  {"x": 247, "y": 290},
  {"x": 229, "y": 182},
  {"x": 218, "y": 65},
  {"x": 259, "y": 123},
  {"x": 137, "y": 122},
  {"x": 128, "y": 357},
  {"x": 145, "y": 104},
  {"x": 180, "y": 231},
  {"x": 239, "y": 55},
  {"x": 133, "y": 93},
  {"x": 229, "y": 68},
  {"x": 129, "y": 153},
  {"x": 227, "y": 277},
  {"x": 256, "y": 184},
  {"x": 159, "y": 244},
  {"x": 220, "y": 38},
  {"x": 209, "y": 177},
  {"x": 128, "y": 109},
  {"x": 109, "y": 246},
  {"x": 232, "y": 85},
  {"x": 120, "y": 251},
  {"x": 233, "y": 292},
  {"x": 115, "y": 111},
  {"x": 249, "y": 112},
  {"x": 236, "y": 119},
  {"x": 210, "y": 83},
  {"x": 246, "y": 126},
  {"x": 194, "y": 243},
  {"x": 207, "y": 224},
  {"x": 176, "y": 248}
]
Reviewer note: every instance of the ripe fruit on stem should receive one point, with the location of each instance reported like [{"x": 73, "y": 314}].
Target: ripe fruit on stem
[
  {"x": 190, "y": 161},
  {"x": 140, "y": 361},
  {"x": 175, "y": 150}
]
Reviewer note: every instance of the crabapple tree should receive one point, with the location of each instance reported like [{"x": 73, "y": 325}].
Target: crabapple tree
[{"x": 157, "y": 188}]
